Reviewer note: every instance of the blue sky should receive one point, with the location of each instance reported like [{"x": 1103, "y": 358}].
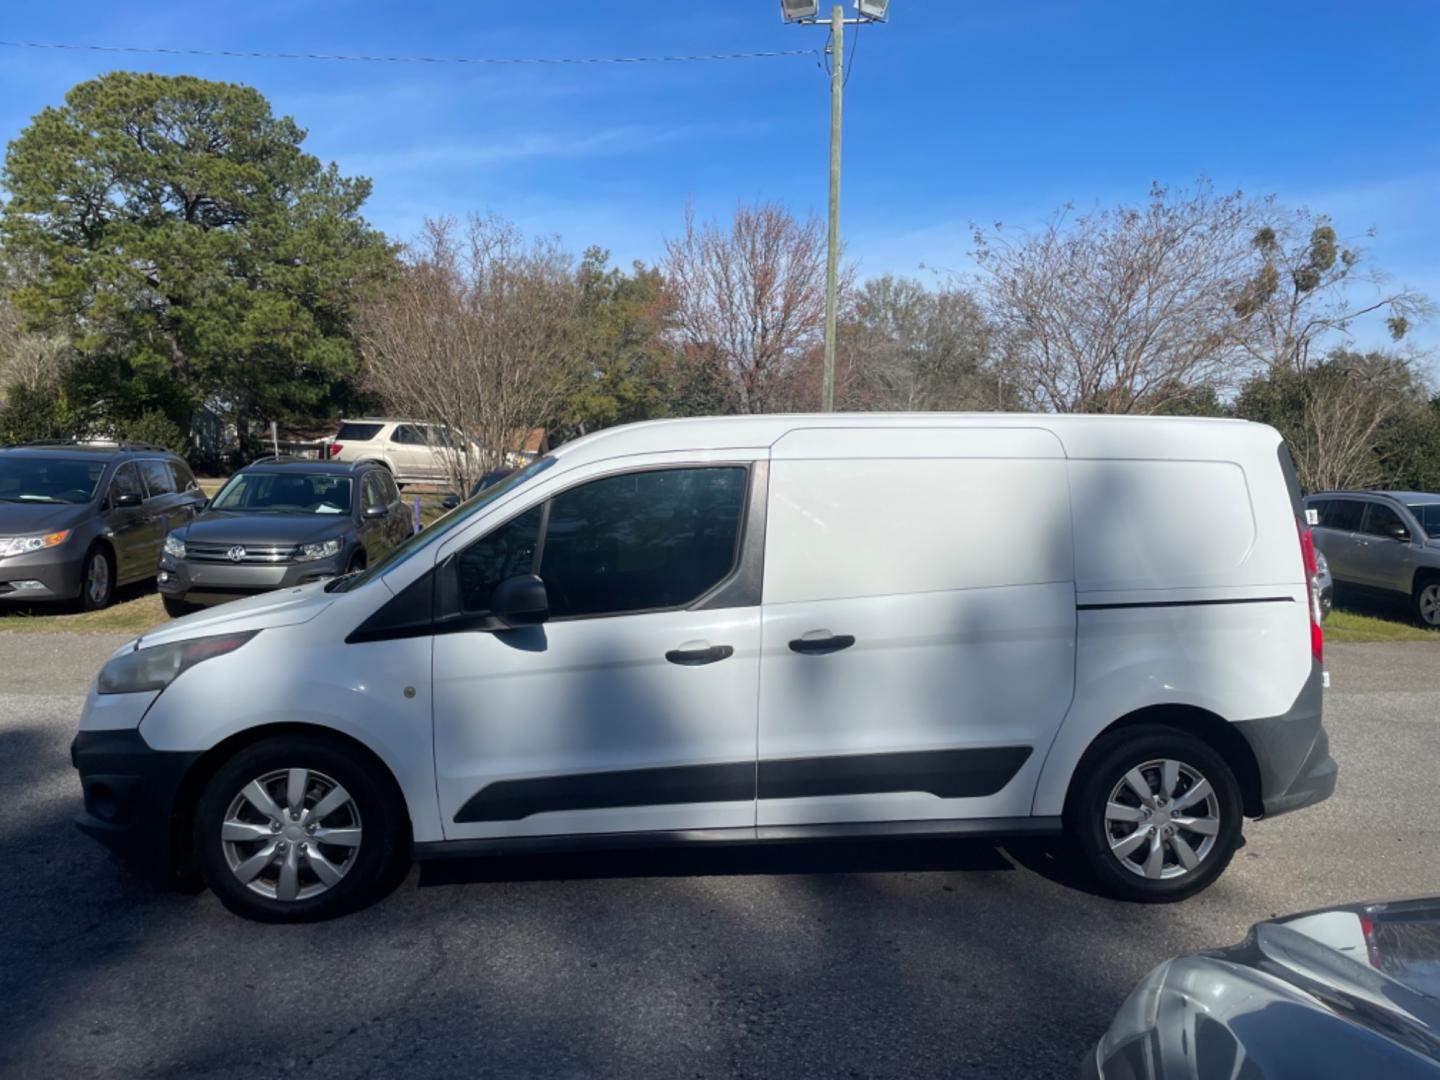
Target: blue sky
[{"x": 956, "y": 111}]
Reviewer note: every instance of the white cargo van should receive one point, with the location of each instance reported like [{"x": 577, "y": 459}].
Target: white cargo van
[{"x": 754, "y": 629}]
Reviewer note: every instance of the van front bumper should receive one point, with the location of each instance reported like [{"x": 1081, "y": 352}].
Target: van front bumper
[
  {"x": 131, "y": 793},
  {"x": 42, "y": 575}
]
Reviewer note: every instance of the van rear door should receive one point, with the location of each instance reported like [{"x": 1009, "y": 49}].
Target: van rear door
[{"x": 918, "y": 623}]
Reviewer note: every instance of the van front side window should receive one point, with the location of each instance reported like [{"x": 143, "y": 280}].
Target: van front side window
[{"x": 638, "y": 542}]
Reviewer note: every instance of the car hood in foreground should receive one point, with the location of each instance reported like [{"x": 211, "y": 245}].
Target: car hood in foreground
[
  {"x": 286, "y": 607},
  {"x": 1344, "y": 992},
  {"x": 222, "y": 527},
  {"x": 22, "y": 519}
]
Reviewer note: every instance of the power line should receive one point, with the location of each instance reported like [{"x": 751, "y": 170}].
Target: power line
[{"x": 364, "y": 59}]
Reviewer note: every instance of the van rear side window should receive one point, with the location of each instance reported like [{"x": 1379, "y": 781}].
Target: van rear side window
[{"x": 881, "y": 527}]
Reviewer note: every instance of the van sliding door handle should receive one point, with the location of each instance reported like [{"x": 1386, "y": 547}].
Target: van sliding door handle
[
  {"x": 696, "y": 657},
  {"x": 819, "y": 646}
]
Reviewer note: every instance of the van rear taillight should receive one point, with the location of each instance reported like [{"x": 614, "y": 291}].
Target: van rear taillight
[
  {"x": 1307, "y": 554},
  {"x": 335, "y": 448}
]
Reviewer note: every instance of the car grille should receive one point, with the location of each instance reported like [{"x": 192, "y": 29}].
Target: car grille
[{"x": 254, "y": 553}]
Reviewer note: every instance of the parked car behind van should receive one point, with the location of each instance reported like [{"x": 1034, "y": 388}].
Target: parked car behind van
[
  {"x": 412, "y": 451},
  {"x": 282, "y": 522},
  {"x": 1385, "y": 544},
  {"x": 754, "y": 629},
  {"x": 77, "y": 521}
]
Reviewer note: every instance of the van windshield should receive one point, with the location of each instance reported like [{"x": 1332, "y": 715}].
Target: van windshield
[
  {"x": 1428, "y": 514},
  {"x": 455, "y": 518}
]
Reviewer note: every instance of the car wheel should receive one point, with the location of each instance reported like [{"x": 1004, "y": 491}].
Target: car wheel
[
  {"x": 97, "y": 579},
  {"x": 177, "y": 608},
  {"x": 300, "y": 828},
  {"x": 1427, "y": 603},
  {"x": 1157, "y": 814}
]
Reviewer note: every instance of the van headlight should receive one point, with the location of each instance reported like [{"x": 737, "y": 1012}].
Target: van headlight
[
  {"x": 157, "y": 667},
  {"x": 174, "y": 546},
  {"x": 323, "y": 550},
  {"x": 23, "y": 545}
]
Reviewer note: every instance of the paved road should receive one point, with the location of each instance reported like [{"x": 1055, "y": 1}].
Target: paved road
[{"x": 898, "y": 960}]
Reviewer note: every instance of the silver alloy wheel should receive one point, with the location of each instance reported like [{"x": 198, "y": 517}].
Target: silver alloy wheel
[
  {"x": 1429, "y": 604},
  {"x": 1162, "y": 819},
  {"x": 97, "y": 579},
  {"x": 291, "y": 834}
]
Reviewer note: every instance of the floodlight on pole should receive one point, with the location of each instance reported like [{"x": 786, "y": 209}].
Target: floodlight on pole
[
  {"x": 807, "y": 13},
  {"x": 799, "y": 10}
]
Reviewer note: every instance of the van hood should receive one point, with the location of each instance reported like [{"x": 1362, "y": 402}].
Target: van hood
[
  {"x": 287, "y": 607},
  {"x": 23, "y": 518}
]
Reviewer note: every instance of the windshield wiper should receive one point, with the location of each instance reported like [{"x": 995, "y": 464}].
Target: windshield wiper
[{"x": 30, "y": 498}]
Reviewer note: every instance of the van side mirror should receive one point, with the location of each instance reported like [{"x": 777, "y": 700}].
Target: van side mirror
[
  {"x": 520, "y": 601},
  {"x": 128, "y": 500},
  {"x": 1397, "y": 531}
]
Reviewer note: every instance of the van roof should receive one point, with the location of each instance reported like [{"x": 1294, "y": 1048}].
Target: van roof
[{"x": 1082, "y": 435}]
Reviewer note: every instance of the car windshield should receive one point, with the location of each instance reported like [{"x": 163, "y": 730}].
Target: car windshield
[
  {"x": 457, "y": 517},
  {"x": 1428, "y": 514},
  {"x": 284, "y": 493},
  {"x": 49, "y": 479}
]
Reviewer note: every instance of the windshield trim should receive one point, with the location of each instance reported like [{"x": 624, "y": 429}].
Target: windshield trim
[{"x": 441, "y": 527}]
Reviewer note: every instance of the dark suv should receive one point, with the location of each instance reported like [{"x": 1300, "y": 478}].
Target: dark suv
[
  {"x": 77, "y": 520},
  {"x": 282, "y": 522}
]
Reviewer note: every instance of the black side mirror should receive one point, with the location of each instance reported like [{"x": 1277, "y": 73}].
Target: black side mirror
[
  {"x": 520, "y": 601},
  {"x": 128, "y": 500},
  {"x": 450, "y": 502},
  {"x": 1397, "y": 532},
  {"x": 376, "y": 511}
]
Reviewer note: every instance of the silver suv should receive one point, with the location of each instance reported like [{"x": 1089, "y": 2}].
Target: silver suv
[
  {"x": 412, "y": 451},
  {"x": 1385, "y": 543}
]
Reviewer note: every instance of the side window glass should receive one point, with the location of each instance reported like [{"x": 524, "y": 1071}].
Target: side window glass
[
  {"x": 642, "y": 541},
  {"x": 407, "y": 435},
  {"x": 503, "y": 553},
  {"x": 1344, "y": 514},
  {"x": 126, "y": 482},
  {"x": 158, "y": 478},
  {"x": 377, "y": 492},
  {"x": 392, "y": 493},
  {"x": 184, "y": 478},
  {"x": 1382, "y": 521}
]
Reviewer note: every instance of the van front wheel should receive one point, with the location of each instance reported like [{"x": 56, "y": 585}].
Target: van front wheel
[
  {"x": 299, "y": 828},
  {"x": 1157, "y": 814}
]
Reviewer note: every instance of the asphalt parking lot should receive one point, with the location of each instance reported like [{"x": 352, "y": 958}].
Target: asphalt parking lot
[{"x": 888, "y": 960}]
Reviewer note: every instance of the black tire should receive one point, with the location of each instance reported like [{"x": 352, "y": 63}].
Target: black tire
[
  {"x": 1425, "y": 602},
  {"x": 89, "y": 599},
  {"x": 369, "y": 870},
  {"x": 1104, "y": 769},
  {"x": 177, "y": 608}
]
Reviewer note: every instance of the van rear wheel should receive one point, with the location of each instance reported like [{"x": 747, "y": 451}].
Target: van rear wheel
[
  {"x": 1427, "y": 603},
  {"x": 295, "y": 829},
  {"x": 1157, "y": 814}
]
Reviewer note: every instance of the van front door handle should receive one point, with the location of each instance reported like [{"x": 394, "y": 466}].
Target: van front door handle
[
  {"x": 819, "y": 646},
  {"x": 695, "y": 657}
]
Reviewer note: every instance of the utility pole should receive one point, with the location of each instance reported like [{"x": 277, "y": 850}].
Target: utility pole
[
  {"x": 832, "y": 256},
  {"x": 807, "y": 12}
]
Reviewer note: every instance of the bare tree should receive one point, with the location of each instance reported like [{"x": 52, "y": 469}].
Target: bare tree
[
  {"x": 1336, "y": 412},
  {"x": 478, "y": 333},
  {"x": 747, "y": 302},
  {"x": 1304, "y": 290},
  {"x": 910, "y": 348},
  {"x": 1125, "y": 310}
]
